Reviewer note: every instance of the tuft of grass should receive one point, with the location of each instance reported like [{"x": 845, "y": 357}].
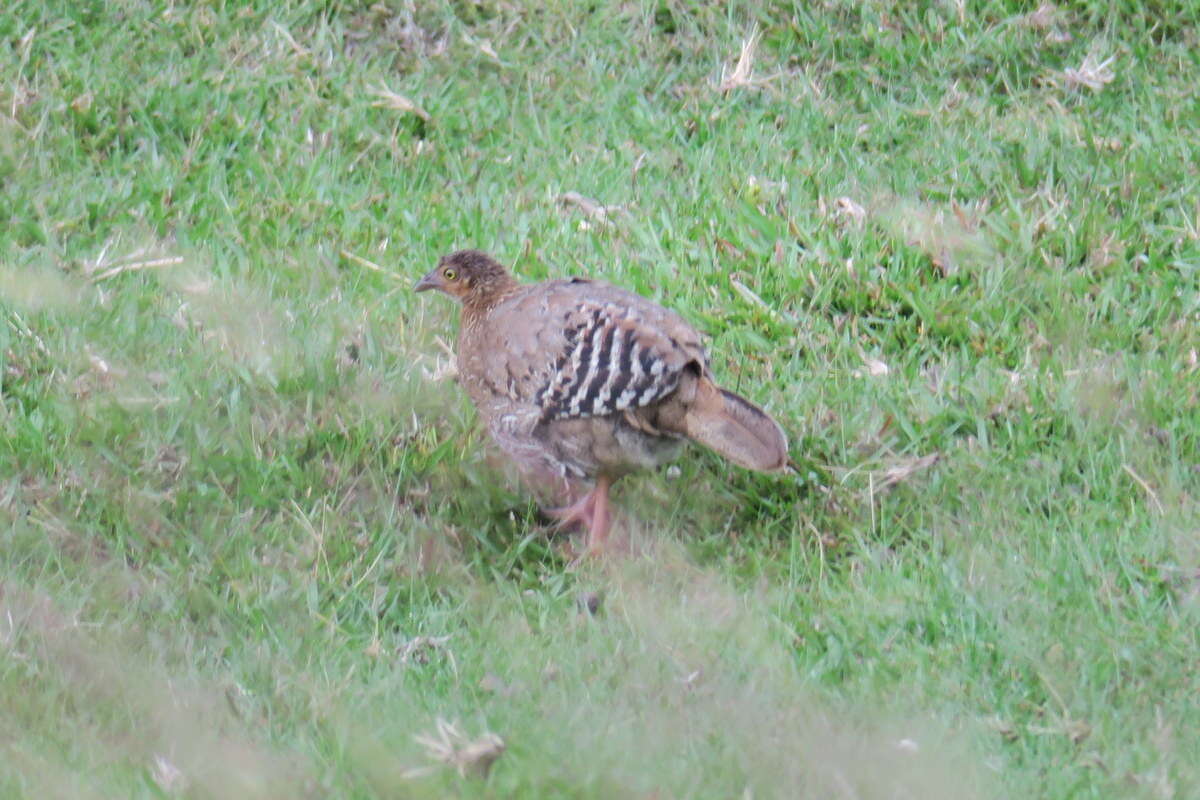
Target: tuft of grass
[{"x": 255, "y": 543}]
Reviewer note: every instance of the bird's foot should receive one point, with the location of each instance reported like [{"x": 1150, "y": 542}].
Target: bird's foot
[
  {"x": 593, "y": 513},
  {"x": 578, "y": 513}
]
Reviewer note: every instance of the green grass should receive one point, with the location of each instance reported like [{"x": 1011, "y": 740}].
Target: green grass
[{"x": 247, "y": 533}]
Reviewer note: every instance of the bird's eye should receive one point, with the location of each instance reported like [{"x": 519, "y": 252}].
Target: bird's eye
[{"x": 450, "y": 274}]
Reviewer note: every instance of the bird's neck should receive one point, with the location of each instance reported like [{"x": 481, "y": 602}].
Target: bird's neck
[{"x": 483, "y": 299}]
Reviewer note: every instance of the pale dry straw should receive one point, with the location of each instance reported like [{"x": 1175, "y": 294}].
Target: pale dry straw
[
  {"x": 398, "y": 102},
  {"x": 1092, "y": 74},
  {"x": 467, "y": 755},
  {"x": 742, "y": 75}
]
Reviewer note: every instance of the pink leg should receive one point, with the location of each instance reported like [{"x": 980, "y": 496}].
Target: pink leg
[
  {"x": 601, "y": 520},
  {"x": 593, "y": 512}
]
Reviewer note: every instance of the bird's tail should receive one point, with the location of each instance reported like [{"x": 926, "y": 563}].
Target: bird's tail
[{"x": 735, "y": 428}]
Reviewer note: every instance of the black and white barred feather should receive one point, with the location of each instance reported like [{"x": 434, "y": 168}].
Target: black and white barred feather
[{"x": 604, "y": 367}]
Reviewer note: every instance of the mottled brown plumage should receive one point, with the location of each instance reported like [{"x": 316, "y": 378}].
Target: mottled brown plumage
[{"x": 580, "y": 381}]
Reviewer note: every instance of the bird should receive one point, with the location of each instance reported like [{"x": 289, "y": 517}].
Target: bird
[{"x": 581, "y": 382}]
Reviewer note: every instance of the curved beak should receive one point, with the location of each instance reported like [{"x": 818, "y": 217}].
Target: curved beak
[{"x": 432, "y": 280}]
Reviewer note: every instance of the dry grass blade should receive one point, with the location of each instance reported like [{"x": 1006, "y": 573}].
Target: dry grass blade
[
  {"x": 446, "y": 370},
  {"x": 904, "y": 469},
  {"x": 849, "y": 212},
  {"x": 371, "y": 265},
  {"x": 21, "y": 93},
  {"x": 593, "y": 209},
  {"x": 750, "y": 296},
  {"x": 450, "y": 746},
  {"x": 134, "y": 266},
  {"x": 742, "y": 75},
  {"x": 483, "y": 46},
  {"x": 1145, "y": 487},
  {"x": 1092, "y": 73},
  {"x": 398, "y": 102},
  {"x": 442, "y": 371},
  {"x": 297, "y": 48}
]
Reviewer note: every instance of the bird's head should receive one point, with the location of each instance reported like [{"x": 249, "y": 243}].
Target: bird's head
[{"x": 467, "y": 276}]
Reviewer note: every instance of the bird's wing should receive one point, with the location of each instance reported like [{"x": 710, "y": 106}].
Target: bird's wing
[{"x": 579, "y": 348}]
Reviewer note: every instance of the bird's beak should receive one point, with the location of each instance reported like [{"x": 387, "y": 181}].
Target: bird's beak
[{"x": 432, "y": 280}]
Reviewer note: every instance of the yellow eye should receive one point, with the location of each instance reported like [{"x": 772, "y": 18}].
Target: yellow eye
[{"x": 450, "y": 274}]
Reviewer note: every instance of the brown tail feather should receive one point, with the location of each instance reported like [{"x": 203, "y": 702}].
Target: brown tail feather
[{"x": 735, "y": 428}]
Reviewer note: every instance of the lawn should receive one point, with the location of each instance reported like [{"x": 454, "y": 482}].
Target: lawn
[{"x": 255, "y": 544}]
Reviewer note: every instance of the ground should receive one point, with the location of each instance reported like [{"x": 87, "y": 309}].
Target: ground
[{"x": 255, "y": 543}]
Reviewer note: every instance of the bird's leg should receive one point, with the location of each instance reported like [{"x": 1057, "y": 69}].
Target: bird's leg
[
  {"x": 601, "y": 520},
  {"x": 593, "y": 512}
]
